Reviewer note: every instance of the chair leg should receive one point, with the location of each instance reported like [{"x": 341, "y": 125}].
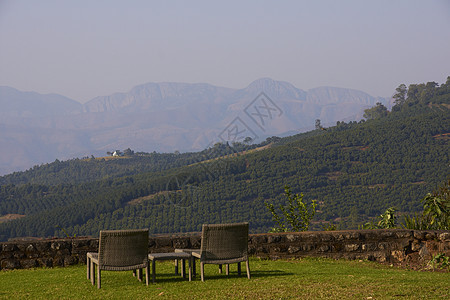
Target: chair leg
[
  {"x": 239, "y": 268},
  {"x": 220, "y": 269},
  {"x": 93, "y": 273},
  {"x": 134, "y": 273},
  {"x": 147, "y": 273},
  {"x": 88, "y": 268},
  {"x": 139, "y": 274},
  {"x": 99, "y": 280},
  {"x": 202, "y": 271},
  {"x": 227, "y": 269},
  {"x": 183, "y": 268},
  {"x": 194, "y": 270},
  {"x": 247, "y": 265}
]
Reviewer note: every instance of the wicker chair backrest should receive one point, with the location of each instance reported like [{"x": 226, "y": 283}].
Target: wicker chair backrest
[
  {"x": 121, "y": 248},
  {"x": 224, "y": 241}
]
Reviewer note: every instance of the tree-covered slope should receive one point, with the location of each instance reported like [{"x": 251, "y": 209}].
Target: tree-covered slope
[{"x": 354, "y": 170}]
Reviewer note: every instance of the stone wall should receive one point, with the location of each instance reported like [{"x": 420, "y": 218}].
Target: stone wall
[{"x": 396, "y": 246}]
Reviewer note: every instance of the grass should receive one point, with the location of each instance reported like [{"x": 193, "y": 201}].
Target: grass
[{"x": 284, "y": 279}]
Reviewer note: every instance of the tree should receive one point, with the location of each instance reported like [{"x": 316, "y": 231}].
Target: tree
[
  {"x": 128, "y": 152},
  {"x": 318, "y": 125},
  {"x": 248, "y": 140},
  {"x": 376, "y": 112},
  {"x": 400, "y": 96}
]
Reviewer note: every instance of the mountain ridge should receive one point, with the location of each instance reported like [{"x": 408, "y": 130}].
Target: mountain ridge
[{"x": 165, "y": 116}]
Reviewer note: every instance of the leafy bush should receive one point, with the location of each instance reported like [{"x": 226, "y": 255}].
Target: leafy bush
[
  {"x": 297, "y": 216},
  {"x": 436, "y": 211}
]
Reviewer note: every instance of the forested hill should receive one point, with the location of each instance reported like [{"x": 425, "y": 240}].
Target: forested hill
[{"x": 354, "y": 170}]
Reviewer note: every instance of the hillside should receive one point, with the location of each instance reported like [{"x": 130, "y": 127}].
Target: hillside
[
  {"x": 162, "y": 117},
  {"x": 355, "y": 170}
]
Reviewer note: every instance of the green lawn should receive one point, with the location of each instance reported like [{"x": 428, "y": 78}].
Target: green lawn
[{"x": 301, "y": 279}]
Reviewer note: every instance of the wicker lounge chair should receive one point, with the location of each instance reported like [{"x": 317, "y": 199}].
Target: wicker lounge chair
[
  {"x": 223, "y": 244},
  {"x": 120, "y": 250}
]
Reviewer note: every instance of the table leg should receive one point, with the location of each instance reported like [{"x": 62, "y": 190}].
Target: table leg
[
  {"x": 153, "y": 271},
  {"x": 183, "y": 268},
  {"x": 176, "y": 266}
]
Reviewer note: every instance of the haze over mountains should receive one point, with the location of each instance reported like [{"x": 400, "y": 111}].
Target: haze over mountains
[{"x": 163, "y": 117}]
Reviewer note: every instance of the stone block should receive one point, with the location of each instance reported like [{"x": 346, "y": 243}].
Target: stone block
[
  {"x": 416, "y": 245},
  {"x": 404, "y": 234},
  {"x": 70, "y": 260},
  {"x": 383, "y": 246},
  {"x": 353, "y": 236},
  {"x": 337, "y": 247},
  {"x": 262, "y": 249},
  {"x": 21, "y": 247},
  {"x": 251, "y": 250},
  {"x": 58, "y": 261},
  {"x": 19, "y": 255},
  {"x": 151, "y": 243},
  {"x": 387, "y": 234},
  {"x": 307, "y": 247},
  {"x": 196, "y": 242},
  {"x": 271, "y": 239},
  {"x": 293, "y": 249},
  {"x": 278, "y": 248},
  {"x": 369, "y": 247},
  {"x": 326, "y": 238},
  {"x": 45, "y": 262},
  {"x": 9, "y": 264},
  {"x": 424, "y": 253},
  {"x": 259, "y": 239},
  {"x": 381, "y": 257},
  {"x": 163, "y": 242},
  {"x": 430, "y": 235},
  {"x": 351, "y": 247},
  {"x": 323, "y": 248},
  {"x": 339, "y": 237},
  {"x": 9, "y": 247},
  {"x": 418, "y": 234},
  {"x": 42, "y": 246},
  {"x": 29, "y": 263},
  {"x": 181, "y": 243},
  {"x": 292, "y": 238},
  {"x": 398, "y": 255},
  {"x": 444, "y": 237},
  {"x": 55, "y": 246},
  {"x": 370, "y": 235},
  {"x": 30, "y": 248},
  {"x": 6, "y": 255}
]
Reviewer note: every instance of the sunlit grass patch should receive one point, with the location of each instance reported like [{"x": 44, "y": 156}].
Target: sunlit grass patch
[{"x": 284, "y": 279}]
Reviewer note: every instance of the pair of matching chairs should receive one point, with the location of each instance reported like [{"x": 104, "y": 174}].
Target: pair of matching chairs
[{"x": 123, "y": 250}]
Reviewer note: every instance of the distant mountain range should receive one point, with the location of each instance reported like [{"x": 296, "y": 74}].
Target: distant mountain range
[{"x": 163, "y": 117}]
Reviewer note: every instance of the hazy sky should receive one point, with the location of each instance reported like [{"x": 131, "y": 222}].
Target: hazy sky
[{"x": 88, "y": 48}]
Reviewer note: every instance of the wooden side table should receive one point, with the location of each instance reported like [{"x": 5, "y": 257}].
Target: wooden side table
[{"x": 183, "y": 256}]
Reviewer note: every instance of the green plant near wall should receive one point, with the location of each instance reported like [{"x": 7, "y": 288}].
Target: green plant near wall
[
  {"x": 436, "y": 211},
  {"x": 440, "y": 261},
  {"x": 417, "y": 222},
  {"x": 437, "y": 206},
  {"x": 385, "y": 220},
  {"x": 295, "y": 216},
  {"x": 388, "y": 219}
]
